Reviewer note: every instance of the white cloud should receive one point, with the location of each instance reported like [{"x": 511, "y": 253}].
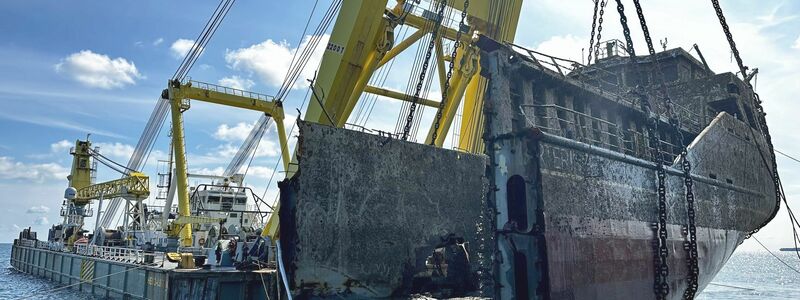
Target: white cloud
[
  {"x": 41, "y": 221},
  {"x": 206, "y": 171},
  {"x": 236, "y": 133},
  {"x": 60, "y": 147},
  {"x": 270, "y": 60},
  {"x": 267, "y": 147},
  {"x": 181, "y": 47},
  {"x": 40, "y": 209},
  {"x": 237, "y": 82},
  {"x": 11, "y": 169},
  {"x": 796, "y": 43},
  {"x": 158, "y": 41},
  {"x": 256, "y": 171},
  {"x": 227, "y": 150},
  {"x": 116, "y": 150},
  {"x": 99, "y": 70},
  {"x": 567, "y": 47}
]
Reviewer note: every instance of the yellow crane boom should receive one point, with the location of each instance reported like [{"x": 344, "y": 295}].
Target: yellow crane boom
[
  {"x": 179, "y": 94},
  {"x": 134, "y": 186},
  {"x": 362, "y": 41}
]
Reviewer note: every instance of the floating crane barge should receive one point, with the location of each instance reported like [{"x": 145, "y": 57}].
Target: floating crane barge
[{"x": 633, "y": 177}]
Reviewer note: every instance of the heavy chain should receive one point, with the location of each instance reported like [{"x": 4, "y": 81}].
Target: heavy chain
[
  {"x": 625, "y": 30},
  {"x": 424, "y": 71},
  {"x": 645, "y": 30},
  {"x": 691, "y": 245},
  {"x": 446, "y": 88},
  {"x": 762, "y": 121},
  {"x": 661, "y": 252},
  {"x": 591, "y": 36},
  {"x": 599, "y": 30},
  {"x": 660, "y": 282},
  {"x": 690, "y": 230}
]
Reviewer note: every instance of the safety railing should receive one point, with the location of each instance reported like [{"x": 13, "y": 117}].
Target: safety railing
[
  {"x": 611, "y": 48},
  {"x": 427, "y": 9},
  {"x": 128, "y": 255},
  {"x": 230, "y": 91},
  {"x": 27, "y": 243},
  {"x": 593, "y": 130},
  {"x": 605, "y": 81},
  {"x": 561, "y": 65}
]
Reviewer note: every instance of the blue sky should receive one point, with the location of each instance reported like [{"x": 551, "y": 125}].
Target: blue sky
[{"x": 72, "y": 68}]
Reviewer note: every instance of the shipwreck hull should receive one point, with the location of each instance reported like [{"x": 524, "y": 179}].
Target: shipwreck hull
[
  {"x": 575, "y": 188},
  {"x": 588, "y": 214},
  {"x": 561, "y": 206}
]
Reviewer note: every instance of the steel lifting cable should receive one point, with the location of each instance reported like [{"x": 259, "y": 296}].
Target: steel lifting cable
[
  {"x": 690, "y": 230},
  {"x": 300, "y": 41},
  {"x": 110, "y": 163},
  {"x": 158, "y": 116},
  {"x": 660, "y": 250},
  {"x": 296, "y": 69},
  {"x": 369, "y": 102}
]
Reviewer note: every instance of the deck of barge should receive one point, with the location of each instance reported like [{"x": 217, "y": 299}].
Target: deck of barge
[{"x": 126, "y": 277}]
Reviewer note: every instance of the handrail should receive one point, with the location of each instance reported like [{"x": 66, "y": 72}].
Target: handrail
[
  {"x": 136, "y": 256},
  {"x": 228, "y": 90}
]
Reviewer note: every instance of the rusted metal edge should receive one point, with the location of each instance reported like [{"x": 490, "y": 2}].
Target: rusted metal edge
[{"x": 539, "y": 135}]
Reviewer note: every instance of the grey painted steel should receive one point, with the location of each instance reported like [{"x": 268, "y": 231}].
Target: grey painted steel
[
  {"x": 120, "y": 280},
  {"x": 369, "y": 210}
]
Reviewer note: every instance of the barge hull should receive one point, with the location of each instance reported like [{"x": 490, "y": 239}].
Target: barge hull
[{"x": 118, "y": 279}]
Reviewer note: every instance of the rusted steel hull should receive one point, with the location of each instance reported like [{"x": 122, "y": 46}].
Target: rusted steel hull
[
  {"x": 576, "y": 191},
  {"x": 616, "y": 260},
  {"x": 561, "y": 206},
  {"x": 590, "y": 212}
]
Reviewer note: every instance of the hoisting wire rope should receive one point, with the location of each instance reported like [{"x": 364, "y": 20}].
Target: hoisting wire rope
[
  {"x": 308, "y": 51},
  {"x": 300, "y": 41},
  {"x": 660, "y": 249},
  {"x": 206, "y": 34},
  {"x": 106, "y": 161},
  {"x": 446, "y": 88},
  {"x": 422, "y": 74},
  {"x": 294, "y": 72},
  {"x": 157, "y": 118},
  {"x": 250, "y": 146},
  {"x": 371, "y": 103},
  {"x": 383, "y": 74},
  {"x": 263, "y": 123}
]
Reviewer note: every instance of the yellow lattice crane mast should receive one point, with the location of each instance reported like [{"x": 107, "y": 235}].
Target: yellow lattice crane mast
[
  {"x": 179, "y": 95},
  {"x": 362, "y": 41},
  {"x": 134, "y": 186}
]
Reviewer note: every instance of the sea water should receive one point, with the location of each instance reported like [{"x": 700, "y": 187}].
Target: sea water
[{"x": 747, "y": 275}]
